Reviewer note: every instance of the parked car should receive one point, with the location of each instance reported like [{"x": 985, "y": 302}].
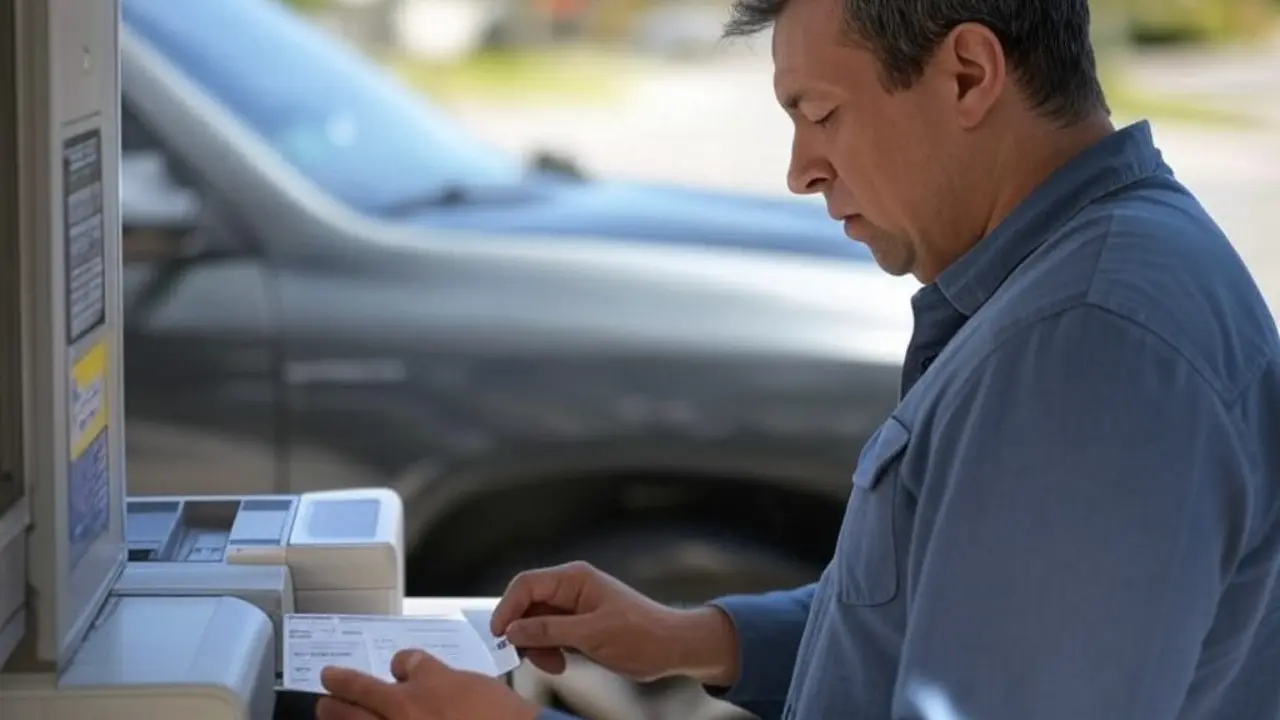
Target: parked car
[{"x": 328, "y": 283}]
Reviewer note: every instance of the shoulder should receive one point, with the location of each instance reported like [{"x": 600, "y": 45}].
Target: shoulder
[
  {"x": 1150, "y": 259},
  {"x": 1067, "y": 354}
]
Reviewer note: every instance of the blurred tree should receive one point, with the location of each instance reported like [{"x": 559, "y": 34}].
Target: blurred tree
[
  {"x": 1110, "y": 25},
  {"x": 372, "y": 25},
  {"x": 310, "y": 6},
  {"x": 520, "y": 24},
  {"x": 614, "y": 20},
  {"x": 1174, "y": 21}
]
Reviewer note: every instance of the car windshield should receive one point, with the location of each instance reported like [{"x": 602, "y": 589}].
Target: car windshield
[{"x": 340, "y": 119}]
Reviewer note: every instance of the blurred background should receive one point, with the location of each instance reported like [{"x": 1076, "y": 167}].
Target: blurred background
[
  {"x": 532, "y": 263},
  {"x": 646, "y": 89}
]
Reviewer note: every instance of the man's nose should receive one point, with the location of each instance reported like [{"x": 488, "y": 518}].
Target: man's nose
[{"x": 809, "y": 173}]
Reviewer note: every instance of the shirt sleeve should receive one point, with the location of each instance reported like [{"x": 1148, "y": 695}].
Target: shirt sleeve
[
  {"x": 769, "y": 627},
  {"x": 1085, "y": 504}
]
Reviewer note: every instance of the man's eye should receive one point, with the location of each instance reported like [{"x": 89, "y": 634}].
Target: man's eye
[{"x": 825, "y": 120}]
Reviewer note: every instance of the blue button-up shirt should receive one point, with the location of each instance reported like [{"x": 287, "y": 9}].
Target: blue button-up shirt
[{"x": 1074, "y": 512}]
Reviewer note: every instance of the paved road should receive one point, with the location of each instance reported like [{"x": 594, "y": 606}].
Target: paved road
[{"x": 716, "y": 125}]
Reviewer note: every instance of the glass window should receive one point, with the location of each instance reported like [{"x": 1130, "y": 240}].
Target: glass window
[
  {"x": 134, "y": 136},
  {"x": 157, "y": 210},
  {"x": 338, "y": 117}
]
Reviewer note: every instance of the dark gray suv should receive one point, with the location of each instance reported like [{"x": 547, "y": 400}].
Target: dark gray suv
[{"x": 330, "y": 284}]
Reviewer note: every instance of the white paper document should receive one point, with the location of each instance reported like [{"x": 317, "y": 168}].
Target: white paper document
[
  {"x": 505, "y": 657},
  {"x": 368, "y": 642}
]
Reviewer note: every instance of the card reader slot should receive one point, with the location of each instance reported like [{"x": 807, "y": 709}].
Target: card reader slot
[
  {"x": 151, "y": 528},
  {"x": 205, "y": 527},
  {"x": 262, "y": 521}
]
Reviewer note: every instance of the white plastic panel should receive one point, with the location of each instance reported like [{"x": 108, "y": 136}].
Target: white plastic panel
[
  {"x": 69, "y": 162},
  {"x": 365, "y": 516},
  {"x": 195, "y": 658},
  {"x": 338, "y": 558}
]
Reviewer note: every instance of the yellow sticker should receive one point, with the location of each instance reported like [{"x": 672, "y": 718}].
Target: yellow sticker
[{"x": 88, "y": 391}]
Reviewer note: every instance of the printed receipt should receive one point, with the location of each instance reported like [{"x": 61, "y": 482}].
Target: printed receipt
[{"x": 367, "y": 643}]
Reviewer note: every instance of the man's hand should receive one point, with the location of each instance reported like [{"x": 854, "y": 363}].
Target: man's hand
[
  {"x": 427, "y": 690},
  {"x": 577, "y": 608}
]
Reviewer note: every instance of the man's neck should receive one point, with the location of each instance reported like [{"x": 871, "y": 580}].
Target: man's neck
[{"x": 1036, "y": 155}]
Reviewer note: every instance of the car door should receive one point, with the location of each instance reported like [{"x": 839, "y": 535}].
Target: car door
[{"x": 200, "y": 335}]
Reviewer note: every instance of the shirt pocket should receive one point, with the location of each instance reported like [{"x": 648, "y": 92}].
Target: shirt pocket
[{"x": 866, "y": 558}]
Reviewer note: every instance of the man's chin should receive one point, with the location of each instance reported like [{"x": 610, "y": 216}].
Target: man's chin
[{"x": 891, "y": 265}]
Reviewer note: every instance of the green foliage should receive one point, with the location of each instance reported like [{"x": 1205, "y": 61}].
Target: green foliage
[
  {"x": 1194, "y": 20},
  {"x": 309, "y": 6},
  {"x": 550, "y": 76}
]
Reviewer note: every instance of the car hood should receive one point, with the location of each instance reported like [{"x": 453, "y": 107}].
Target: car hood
[
  {"x": 701, "y": 298},
  {"x": 650, "y": 213}
]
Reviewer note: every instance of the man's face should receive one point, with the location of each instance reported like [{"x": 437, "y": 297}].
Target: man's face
[{"x": 883, "y": 160}]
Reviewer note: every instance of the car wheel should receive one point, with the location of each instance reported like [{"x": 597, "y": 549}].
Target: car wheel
[{"x": 676, "y": 565}]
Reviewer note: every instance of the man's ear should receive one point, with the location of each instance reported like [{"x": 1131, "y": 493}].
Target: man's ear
[{"x": 973, "y": 58}]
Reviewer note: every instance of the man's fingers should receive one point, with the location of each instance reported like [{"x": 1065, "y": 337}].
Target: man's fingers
[
  {"x": 331, "y": 708},
  {"x": 550, "y": 632},
  {"x": 413, "y": 663},
  {"x": 366, "y": 691},
  {"x": 552, "y": 662},
  {"x": 560, "y": 587}
]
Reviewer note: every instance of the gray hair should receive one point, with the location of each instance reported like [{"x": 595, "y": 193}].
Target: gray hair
[{"x": 1046, "y": 43}]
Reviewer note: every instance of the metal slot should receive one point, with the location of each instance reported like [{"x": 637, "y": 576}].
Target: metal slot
[{"x": 205, "y": 529}]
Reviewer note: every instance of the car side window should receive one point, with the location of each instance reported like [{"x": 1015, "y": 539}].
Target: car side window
[
  {"x": 134, "y": 136},
  {"x": 158, "y": 211}
]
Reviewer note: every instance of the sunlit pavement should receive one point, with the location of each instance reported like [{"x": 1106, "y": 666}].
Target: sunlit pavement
[
  {"x": 1245, "y": 78},
  {"x": 717, "y": 125},
  {"x": 1237, "y": 177}
]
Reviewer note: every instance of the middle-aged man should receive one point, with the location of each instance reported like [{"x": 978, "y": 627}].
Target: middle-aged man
[{"x": 1074, "y": 512}]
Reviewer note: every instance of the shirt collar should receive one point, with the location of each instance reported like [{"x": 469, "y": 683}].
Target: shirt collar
[{"x": 1117, "y": 160}]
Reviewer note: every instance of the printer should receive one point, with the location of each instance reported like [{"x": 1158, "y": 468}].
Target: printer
[{"x": 116, "y": 607}]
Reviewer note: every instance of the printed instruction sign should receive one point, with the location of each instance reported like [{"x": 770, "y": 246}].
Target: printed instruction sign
[
  {"x": 83, "y": 233},
  {"x": 89, "y": 472}
]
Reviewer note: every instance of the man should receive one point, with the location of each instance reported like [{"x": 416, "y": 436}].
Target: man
[{"x": 1074, "y": 513}]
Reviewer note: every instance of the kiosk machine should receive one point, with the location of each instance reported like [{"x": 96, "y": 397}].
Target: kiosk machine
[{"x": 115, "y": 608}]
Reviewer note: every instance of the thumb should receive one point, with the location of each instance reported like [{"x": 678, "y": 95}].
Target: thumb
[
  {"x": 415, "y": 663},
  {"x": 551, "y": 631}
]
